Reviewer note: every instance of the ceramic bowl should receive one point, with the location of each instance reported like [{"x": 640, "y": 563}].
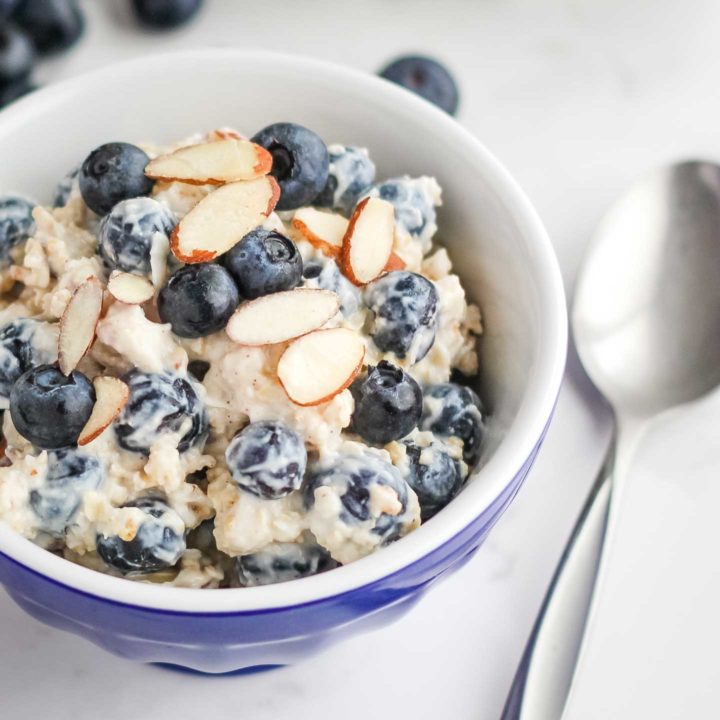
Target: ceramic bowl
[{"x": 498, "y": 246}]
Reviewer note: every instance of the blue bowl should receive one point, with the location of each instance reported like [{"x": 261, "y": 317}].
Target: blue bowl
[{"x": 505, "y": 261}]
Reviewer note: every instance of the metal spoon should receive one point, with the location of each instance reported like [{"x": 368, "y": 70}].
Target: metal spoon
[{"x": 646, "y": 322}]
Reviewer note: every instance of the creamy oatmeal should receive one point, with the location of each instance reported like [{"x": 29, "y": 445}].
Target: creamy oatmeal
[{"x": 230, "y": 362}]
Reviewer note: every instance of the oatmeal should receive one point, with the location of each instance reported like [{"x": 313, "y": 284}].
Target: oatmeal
[{"x": 231, "y": 362}]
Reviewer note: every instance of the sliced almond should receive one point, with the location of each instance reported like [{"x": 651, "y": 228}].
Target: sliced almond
[
  {"x": 395, "y": 262},
  {"x": 130, "y": 289},
  {"x": 282, "y": 316},
  {"x": 322, "y": 230},
  {"x": 368, "y": 242},
  {"x": 212, "y": 163},
  {"x": 111, "y": 395},
  {"x": 222, "y": 218},
  {"x": 77, "y": 325},
  {"x": 224, "y": 133},
  {"x": 316, "y": 367}
]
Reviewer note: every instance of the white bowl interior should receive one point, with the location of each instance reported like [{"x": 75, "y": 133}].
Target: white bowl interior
[{"x": 497, "y": 244}]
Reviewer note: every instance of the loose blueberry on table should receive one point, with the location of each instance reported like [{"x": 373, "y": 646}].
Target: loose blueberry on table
[
  {"x": 165, "y": 14},
  {"x": 228, "y": 364},
  {"x": 425, "y": 77}
]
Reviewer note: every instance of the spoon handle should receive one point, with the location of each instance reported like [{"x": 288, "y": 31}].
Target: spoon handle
[
  {"x": 650, "y": 645},
  {"x": 543, "y": 678}
]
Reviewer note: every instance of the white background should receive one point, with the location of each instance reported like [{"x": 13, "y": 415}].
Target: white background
[{"x": 577, "y": 98}]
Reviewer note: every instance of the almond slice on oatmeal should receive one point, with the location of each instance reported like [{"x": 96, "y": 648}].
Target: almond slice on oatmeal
[
  {"x": 130, "y": 289},
  {"x": 368, "y": 241},
  {"x": 78, "y": 323},
  {"x": 212, "y": 163},
  {"x": 316, "y": 367},
  {"x": 395, "y": 262},
  {"x": 111, "y": 395},
  {"x": 222, "y": 218},
  {"x": 323, "y": 230},
  {"x": 282, "y": 316}
]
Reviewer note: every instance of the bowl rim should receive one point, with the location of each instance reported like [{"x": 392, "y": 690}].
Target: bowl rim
[{"x": 516, "y": 447}]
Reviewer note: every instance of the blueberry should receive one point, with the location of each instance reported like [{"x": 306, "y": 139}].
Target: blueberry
[
  {"x": 451, "y": 410},
  {"x": 300, "y": 162},
  {"x": 352, "y": 478},
  {"x": 16, "y": 224},
  {"x": 111, "y": 173},
  {"x": 198, "y": 369},
  {"x": 52, "y": 25},
  {"x": 16, "y": 55},
  {"x": 264, "y": 262},
  {"x": 267, "y": 459},
  {"x": 435, "y": 474},
  {"x": 128, "y": 231},
  {"x": 160, "y": 404},
  {"x": 405, "y": 314},
  {"x": 49, "y": 408},
  {"x": 6, "y": 8},
  {"x": 388, "y": 404},
  {"x": 165, "y": 14},
  {"x": 414, "y": 200},
  {"x": 24, "y": 344},
  {"x": 198, "y": 300},
  {"x": 66, "y": 187},
  {"x": 281, "y": 562},
  {"x": 427, "y": 78},
  {"x": 327, "y": 276},
  {"x": 15, "y": 90},
  {"x": 70, "y": 473},
  {"x": 351, "y": 174},
  {"x": 158, "y": 544}
]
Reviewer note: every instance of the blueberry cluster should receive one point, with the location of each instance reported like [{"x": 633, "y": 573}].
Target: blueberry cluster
[{"x": 33, "y": 29}]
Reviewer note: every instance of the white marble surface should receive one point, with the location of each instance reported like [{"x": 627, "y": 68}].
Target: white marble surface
[{"x": 577, "y": 98}]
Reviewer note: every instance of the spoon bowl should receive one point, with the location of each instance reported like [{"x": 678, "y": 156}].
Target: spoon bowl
[{"x": 646, "y": 315}]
